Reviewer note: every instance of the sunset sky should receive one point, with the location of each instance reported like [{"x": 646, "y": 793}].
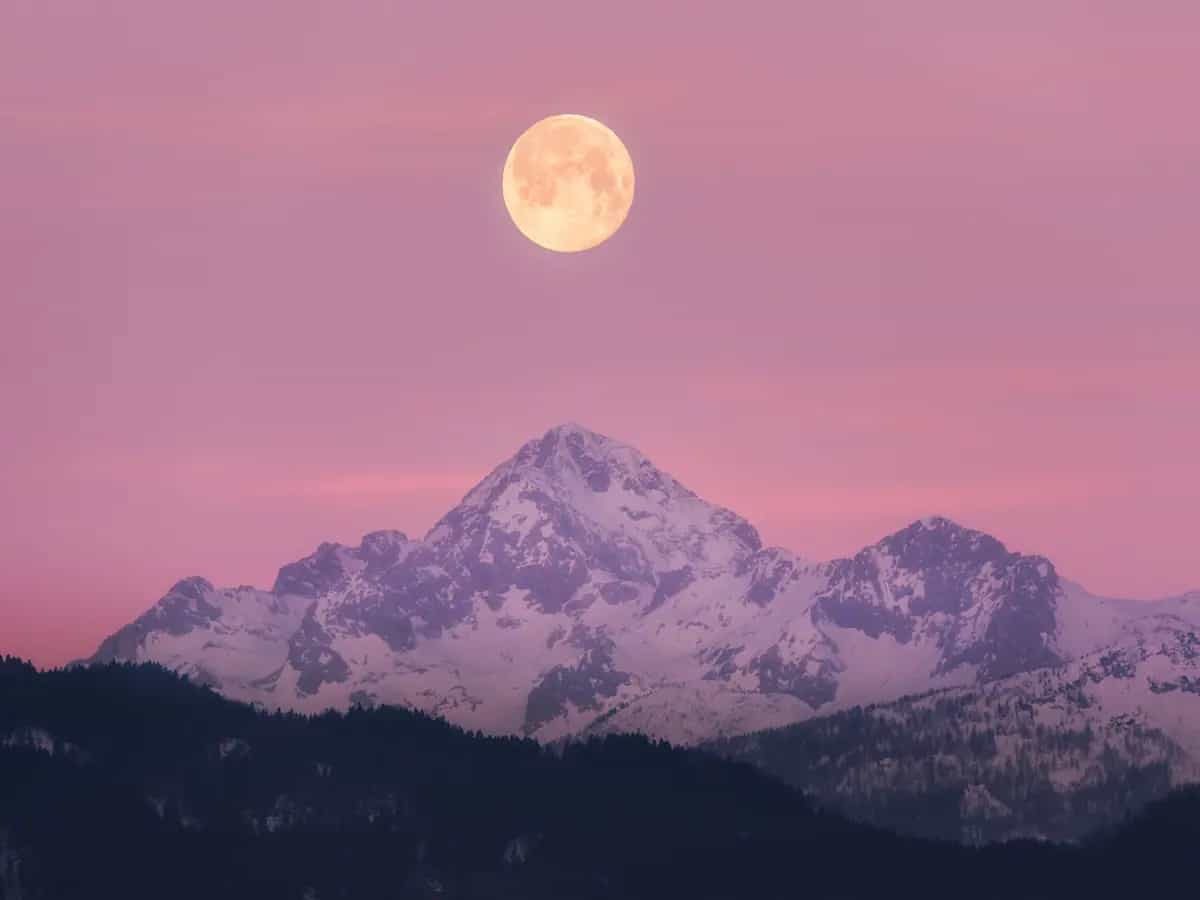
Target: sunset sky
[{"x": 259, "y": 288}]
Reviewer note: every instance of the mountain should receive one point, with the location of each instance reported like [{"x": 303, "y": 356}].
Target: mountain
[
  {"x": 130, "y": 781},
  {"x": 1053, "y": 753},
  {"x": 580, "y": 589}
]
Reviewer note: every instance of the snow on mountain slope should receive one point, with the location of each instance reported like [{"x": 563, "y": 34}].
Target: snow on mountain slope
[
  {"x": 1086, "y": 621},
  {"x": 1149, "y": 677},
  {"x": 224, "y": 638},
  {"x": 578, "y": 587},
  {"x": 1048, "y": 753}
]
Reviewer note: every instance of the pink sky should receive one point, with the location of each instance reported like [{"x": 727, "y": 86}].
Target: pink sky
[{"x": 259, "y": 289}]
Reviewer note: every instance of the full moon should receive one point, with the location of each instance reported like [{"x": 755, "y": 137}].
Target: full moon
[{"x": 568, "y": 183}]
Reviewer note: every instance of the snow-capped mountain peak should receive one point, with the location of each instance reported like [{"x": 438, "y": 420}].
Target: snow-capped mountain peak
[
  {"x": 573, "y": 492},
  {"x": 578, "y": 459},
  {"x": 579, "y": 587}
]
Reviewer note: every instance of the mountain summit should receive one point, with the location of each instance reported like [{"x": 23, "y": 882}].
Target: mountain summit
[{"x": 579, "y": 588}]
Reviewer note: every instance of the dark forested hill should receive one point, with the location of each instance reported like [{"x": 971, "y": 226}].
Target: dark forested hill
[{"x": 128, "y": 781}]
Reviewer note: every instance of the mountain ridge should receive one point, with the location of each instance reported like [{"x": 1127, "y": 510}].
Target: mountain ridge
[
  {"x": 578, "y": 585},
  {"x": 1050, "y": 753}
]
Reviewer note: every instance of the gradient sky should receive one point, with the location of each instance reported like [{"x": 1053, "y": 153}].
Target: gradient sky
[{"x": 259, "y": 288}]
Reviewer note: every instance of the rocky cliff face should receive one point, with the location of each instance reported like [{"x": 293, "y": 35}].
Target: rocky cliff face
[{"x": 580, "y": 588}]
